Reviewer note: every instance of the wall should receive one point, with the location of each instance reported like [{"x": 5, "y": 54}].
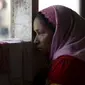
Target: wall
[
  {"x": 24, "y": 63},
  {"x": 21, "y": 62},
  {"x": 19, "y": 56}
]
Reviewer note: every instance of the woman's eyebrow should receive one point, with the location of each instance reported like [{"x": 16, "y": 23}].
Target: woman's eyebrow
[{"x": 36, "y": 30}]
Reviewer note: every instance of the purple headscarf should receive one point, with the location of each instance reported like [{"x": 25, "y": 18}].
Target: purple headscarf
[{"x": 69, "y": 35}]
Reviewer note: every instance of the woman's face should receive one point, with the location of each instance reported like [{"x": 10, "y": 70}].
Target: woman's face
[{"x": 43, "y": 37}]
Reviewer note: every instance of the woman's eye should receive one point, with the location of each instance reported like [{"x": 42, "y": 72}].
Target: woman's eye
[{"x": 41, "y": 32}]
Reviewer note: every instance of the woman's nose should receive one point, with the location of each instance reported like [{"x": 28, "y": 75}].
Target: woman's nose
[{"x": 36, "y": 41}]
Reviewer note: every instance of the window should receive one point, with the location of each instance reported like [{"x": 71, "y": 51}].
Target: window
[
  {"x": 16, "y": 20},
  {"x": 73, "y": 4}
]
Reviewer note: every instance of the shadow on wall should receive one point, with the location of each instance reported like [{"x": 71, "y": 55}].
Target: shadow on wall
[{"x": 24, "y": 63}]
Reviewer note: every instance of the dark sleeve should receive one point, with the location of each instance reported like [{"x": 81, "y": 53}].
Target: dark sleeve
[
  {"x": 67, "y": 70},
  {"x": 40, "y": 78}
]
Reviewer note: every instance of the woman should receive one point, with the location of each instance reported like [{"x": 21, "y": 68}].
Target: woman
[{"x": 60, "y": 35}]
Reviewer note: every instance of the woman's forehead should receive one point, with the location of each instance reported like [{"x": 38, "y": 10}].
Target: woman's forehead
[{"x": 38, "y": 24}]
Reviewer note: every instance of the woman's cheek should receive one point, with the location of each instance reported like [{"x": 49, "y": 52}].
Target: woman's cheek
[{"x": 43, "y": 37}]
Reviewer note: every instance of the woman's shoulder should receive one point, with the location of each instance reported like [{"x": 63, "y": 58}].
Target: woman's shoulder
[
  {"x": 66, "y": 58},
  {"x": 66, "y": 68},
  {"x": 64, "y": 62}
]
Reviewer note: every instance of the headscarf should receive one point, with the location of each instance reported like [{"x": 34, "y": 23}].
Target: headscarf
[{"x": 69, "y": 35}]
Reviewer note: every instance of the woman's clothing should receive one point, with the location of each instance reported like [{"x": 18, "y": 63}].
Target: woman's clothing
[
  {"x": 69, "y": 35},
  {"x": 68, "y": 40},
  {"x": 67, "y": 70}
]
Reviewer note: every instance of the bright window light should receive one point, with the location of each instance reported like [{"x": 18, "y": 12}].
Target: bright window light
[
  {"x": 73, "y": 4},
  {"x": 16, "y": 20}
]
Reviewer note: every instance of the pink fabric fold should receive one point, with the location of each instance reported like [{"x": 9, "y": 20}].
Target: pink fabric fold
[{"x": 69, "y": 36}]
